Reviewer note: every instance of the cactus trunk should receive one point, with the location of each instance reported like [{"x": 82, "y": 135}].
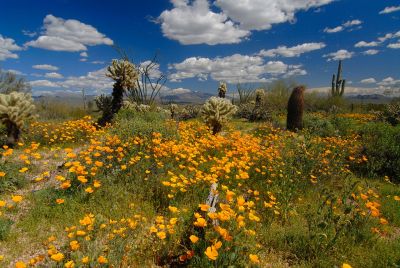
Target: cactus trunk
[{"x": 13, "y": 134}]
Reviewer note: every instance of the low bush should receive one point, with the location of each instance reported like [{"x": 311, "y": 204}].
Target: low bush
[{"x": 382, "y": 148}]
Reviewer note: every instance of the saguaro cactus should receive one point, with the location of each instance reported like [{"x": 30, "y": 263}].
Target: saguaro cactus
[
  {"x": 222, "y": 89},
  {"x": 338, "y": 84},
  {"x": 294, "y": 120},
  {"x": 216, "y": 111},
  {"x": 15, "y": 110}
]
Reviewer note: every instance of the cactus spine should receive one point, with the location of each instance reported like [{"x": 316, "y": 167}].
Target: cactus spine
[
  {"x": 294, "y": 120},
  {"x": 338, "y": 84},
  {"x": 15, "y": 110},
  {"x": 222, "y": 89},
  {"x": 216, "y": 111}
]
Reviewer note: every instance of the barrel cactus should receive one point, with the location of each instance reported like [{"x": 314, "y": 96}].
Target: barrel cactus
[
  {"x": 216, "y": 111},
  {"x": 15, "y": 110},
  {"x": 294, "y": 121}
]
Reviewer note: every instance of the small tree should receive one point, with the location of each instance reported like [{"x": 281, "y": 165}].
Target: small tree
[{"x": 10, "y": 82}]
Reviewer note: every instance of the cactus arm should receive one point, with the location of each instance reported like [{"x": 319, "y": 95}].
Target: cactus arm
[{"x": 343, "y": 86}]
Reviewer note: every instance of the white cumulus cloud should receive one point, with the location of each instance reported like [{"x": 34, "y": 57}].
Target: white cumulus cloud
[
  {"x": 389, "y": 10},
  {"x": 53, "y": 75},
  {"x": 367, "y": 44},
  {"x": 68, "y": 35},
  {"x": 341, "y": 54},
  {"x": 371, "y": 52},
  {"x": 196, "y": 24},
  {"x": 47, "y": 67},
  {"x": 262, "y": 14},
  {"x": 232, "y": 69},
  {"x": 347, "y": 24},
  {"x": 368, "y": 81},
  {"x": 294, "y": 51},
  {"x": 7, "y": 46},
  {"x": 43, "y": 83}
]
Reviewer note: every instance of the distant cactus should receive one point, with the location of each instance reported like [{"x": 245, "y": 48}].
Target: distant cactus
[
  {"x": 338, "y": 84},
  {"x": 295, "y": 109},
  {"x": 222, "y": 89},
  {"x": 173, "y": 108},
  {"x": 216, "y": 111},
  {"x": 125, "y": 75},
  {"x": 259, "y": 112},
  {"x": 15, "y": 110}
]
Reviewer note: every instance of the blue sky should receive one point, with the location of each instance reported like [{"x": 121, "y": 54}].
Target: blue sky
[{"x": 65, "y": 45}]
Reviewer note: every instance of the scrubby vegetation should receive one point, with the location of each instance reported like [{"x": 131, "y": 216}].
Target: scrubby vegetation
[{"x": 184, "y": 186}]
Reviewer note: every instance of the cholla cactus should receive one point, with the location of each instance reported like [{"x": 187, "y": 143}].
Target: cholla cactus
[
  {"x": 123, "y": 72},
  {"x": 259, "y": 95},
  {"x": 15, "y": 109},
  {"x": 130, "y": 105},
  {"x": 125, "y": 75},
  {"x": 222, "y": 89},
  {"x": 216, "y": 111},
  {"x": 143, "y": 108},
  {"x": 173, "y": 109}
]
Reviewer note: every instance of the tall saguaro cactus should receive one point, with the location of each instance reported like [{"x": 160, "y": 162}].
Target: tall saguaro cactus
[{"x": 338, "y": 84}]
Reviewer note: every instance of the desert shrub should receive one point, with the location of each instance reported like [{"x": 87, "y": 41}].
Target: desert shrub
[
  {"x": 382, "y": 148},
  {"x": 56, "y": 110},
  {"x": 130, "y": 123},
  {"x": 319, "y": 125},
  {"x": 189, "y": 112},
  {"x": 390, "y": 114}
]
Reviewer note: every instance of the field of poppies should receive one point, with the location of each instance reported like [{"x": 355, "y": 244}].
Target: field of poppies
[{"x": 156, "y": 192}]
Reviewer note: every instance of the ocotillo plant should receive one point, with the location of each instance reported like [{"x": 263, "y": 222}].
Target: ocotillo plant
[
  {"x": 15, "y": 110},
  {"x": 222, "y": 89},
  {"x": 216, "y": 111},
  {"x": 338, "y": 84},
  {"x": 294, "y": 120}
]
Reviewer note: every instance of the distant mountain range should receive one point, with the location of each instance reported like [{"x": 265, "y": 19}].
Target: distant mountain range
[{"x": 195, "y": 97}]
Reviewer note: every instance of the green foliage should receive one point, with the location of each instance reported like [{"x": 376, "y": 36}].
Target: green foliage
[
  {"x": 5, "y": 227},
  {"x": 391, "y": 114},
  {"x": 130, "y": 123},
  {"x": 216, "y": 111},
  {"x": 382, "y": 148},
  {"x": 57, "y": 110}
]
